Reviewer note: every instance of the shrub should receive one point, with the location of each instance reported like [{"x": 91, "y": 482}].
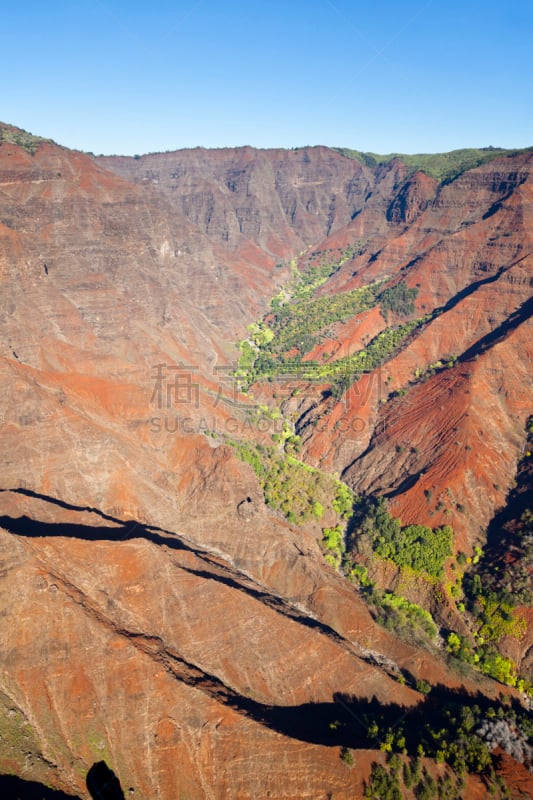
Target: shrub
[
  {"x": 415, "y": 546},
  {"x": 347, "y": 756},
  {"x": 408, "y": 620},
  {"x": 382, "y": 785},
  {"x": 399, "y": 299}
]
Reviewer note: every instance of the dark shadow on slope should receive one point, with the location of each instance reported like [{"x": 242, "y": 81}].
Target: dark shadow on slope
[
  {"x": 26, "y": 526},
  {"x": 103, "y": 784},
  {"x": 498, "y": 334},
  {"x": 470, "y": 289},
  {"x": 351, "y": 722},
  {"x": 515, "y": 319},
  {"x": 216, "y": 570},
  {"x": 495, "y": 207},
  {"x": 14, "y": 788},
  {"x": 122, "y": 529},
  {"x": 475, "y": 285},
  {"x": 272, "y": 601},
  {"x": 68, "y": 506},
  {"x": 518, "y": 317},
  {"x": 501, "y": 531},
  {"x": 344, "y": 722},
  {"x": 506, "y": 564},
  {"x": 314, "y": 723},
  {"x": 405, "y": 485}
]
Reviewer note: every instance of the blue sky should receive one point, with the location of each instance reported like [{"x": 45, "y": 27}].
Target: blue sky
[{"x": 408, "y": 76}]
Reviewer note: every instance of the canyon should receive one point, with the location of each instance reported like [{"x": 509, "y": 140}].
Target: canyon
[{"x": 163, "y": 609}]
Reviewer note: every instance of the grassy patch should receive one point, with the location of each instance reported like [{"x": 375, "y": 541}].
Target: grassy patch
[
  {"x": 23, "y": 139},
  {"x": 444, "y": 167},
  {"x": 17, "y": 737}
]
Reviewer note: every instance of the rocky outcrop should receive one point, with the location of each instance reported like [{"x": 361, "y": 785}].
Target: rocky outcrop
[{"x": 413, "y": 198}]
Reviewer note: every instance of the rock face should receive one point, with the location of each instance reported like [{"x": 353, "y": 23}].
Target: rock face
[
  {"x": 471, "y": 260},
  {"x": 281, "y": 200},
  {"x": 155, "y": 614}
]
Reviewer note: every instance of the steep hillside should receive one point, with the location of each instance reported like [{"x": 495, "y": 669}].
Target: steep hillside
[{"x": 187, "y": 591}]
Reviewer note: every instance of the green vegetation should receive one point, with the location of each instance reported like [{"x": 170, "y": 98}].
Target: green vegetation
[
  {"x": 298, "y": 321},
  {"x": 408, "y": 620},
  {"x": 451, "y": 728},
  {"x": 511, "y": 579},
  {"x": 333, "y": 544},
  {"x": 423, "y": 686},
  {"x": 422, "y": 375},
  {"x": 21, "y": 138},
  {"x": 276, "y": 346},
  {"x": 359, "y": 574},
  {"x": 343, "y": 501},
  {"x": 383, "y": 784},
  {"x": 451, "y": 731},
  {"x": 497, "y": 617},
  {"x": 497, "y": 582},
  {"x": 318, "y": 266},
  {"x": 300, "y": 492},
  {"x": 422, "y": 549},
  {"x": 17, "y": 737},
  {"x": 258, "y": 363},
  {"x": 491, "y": 616},
  {"x": 416, "y": 546},
  {"x": 444, "y": 167},
  {"x": 294, "y": 325},
  {"x": 388, "y": 782},
  {"x": 422, "y": 552},
  {"x": 515, "y": 578},
  {"x": 399, "y": 299},
  {"x": 347, "y": 756}
]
